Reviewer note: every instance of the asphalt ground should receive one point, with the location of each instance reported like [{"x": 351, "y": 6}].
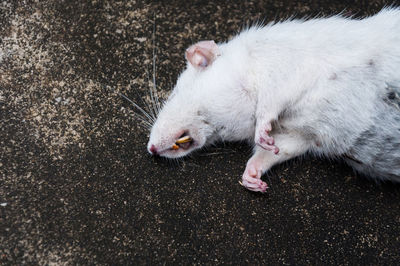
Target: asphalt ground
[{"x": 77, "y": 185}]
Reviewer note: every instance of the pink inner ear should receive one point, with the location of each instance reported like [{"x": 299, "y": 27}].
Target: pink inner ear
[{"x": 202, "y": 54}]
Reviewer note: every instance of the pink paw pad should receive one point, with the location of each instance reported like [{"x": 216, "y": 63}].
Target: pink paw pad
[
  {"x": 266, "y": 141},
  {"x": 251, "y": 180}
]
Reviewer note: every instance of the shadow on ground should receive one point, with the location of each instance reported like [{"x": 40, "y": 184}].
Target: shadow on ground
[{"x": 78, "y": 187}]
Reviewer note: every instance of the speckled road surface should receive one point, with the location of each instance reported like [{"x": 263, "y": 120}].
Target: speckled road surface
[{"x": 78, "y": 187}]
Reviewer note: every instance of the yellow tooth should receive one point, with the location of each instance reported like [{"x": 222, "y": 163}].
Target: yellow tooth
[
  {"x": 184, "y": 140},
  {"x": 175, "y": 147}
]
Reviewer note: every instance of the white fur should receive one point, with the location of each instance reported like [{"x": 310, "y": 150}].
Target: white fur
[{"x": 320, "y": 82}]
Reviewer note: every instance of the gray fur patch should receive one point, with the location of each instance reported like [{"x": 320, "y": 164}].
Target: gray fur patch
[
  {"x": 392, "y": 96},
  {"x": 376, "y": 152}
]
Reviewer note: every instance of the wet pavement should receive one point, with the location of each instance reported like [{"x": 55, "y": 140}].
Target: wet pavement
[{"x": 78, "y": 187}]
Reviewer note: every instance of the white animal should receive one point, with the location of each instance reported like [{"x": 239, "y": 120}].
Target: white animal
[{"x": 328, "y": 86}]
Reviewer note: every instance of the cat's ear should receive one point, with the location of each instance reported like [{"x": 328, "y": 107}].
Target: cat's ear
[{"x": 202, "y": 54}]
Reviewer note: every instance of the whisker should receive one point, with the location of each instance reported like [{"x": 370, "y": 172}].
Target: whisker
[
  {"x": 144, "y": 120},
  {"x": 150, "y": 120},
  {"x": 144, "y": 102},
  {"x": 157, "y": 102},
  {"x": 154, "y": 110},
  {"x": 138, "y": 107},
  {"x": 147, "y": 124}
]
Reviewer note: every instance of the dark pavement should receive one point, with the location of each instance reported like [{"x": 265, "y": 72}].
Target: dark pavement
[{"x": 78, "y": 187}]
